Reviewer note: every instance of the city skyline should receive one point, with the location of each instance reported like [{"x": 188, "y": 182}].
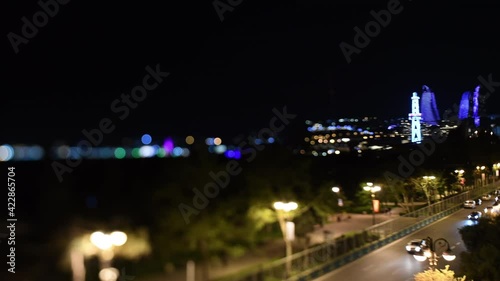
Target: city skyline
[{"x": 226, "y": 74}]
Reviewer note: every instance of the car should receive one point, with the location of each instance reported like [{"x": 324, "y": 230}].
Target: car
[
  {"x": 470, "y": 204},
  {"x": 486, "y": 197},
  {"x": 414, "y": 246},
  {"x": 475, "y": 215}
]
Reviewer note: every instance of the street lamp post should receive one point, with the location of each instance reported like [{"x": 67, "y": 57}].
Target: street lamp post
[
  {"x": 481, "y": 170},
  {"x": 460, "y": 175},
  {"x": 287, "y": 229},
  {"x": 429, "y": 251},
  {"x": 106, "y": 243},
  {"x": 372, "y": 189},
  {"x": 427, "y": 179},
  {"x": 496, "y": 168},
  {"x": 340, "y": 203}
]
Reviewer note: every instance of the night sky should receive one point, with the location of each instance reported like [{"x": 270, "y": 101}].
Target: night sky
[{"x": 227, "y": 76}]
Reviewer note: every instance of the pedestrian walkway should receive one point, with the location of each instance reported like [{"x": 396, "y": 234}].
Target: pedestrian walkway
[{"x": 348, "y": 223}]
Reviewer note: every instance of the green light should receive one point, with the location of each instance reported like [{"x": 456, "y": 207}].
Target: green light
[
  {"x": 161, "y": 152},
  {"x": 136, "y": 153},
  {"x": 120, "y": 153}
]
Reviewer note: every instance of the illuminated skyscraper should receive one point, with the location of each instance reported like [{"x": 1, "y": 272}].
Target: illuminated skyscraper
[
  {"x": 415, "y": 116},
  {"x": 463, "y": 112},
  {"x": 475, "y": 106},
  {"x": 469, "y": 106},
  {"x": 430, "y": 114}
]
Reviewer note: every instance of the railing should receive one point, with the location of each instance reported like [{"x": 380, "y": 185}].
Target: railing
[{"x": 321, "y": 259}]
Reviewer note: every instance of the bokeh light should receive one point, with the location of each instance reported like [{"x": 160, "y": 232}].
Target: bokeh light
[
  {"x": 189, "y": 140},
  {"x": 146, "y": 139},
  {"x": 120, "y": 153},
  {"x": 6, "y": 152}
]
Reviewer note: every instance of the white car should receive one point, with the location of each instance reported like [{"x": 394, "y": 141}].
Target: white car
[
  {"x": 486, "y": 197},
  {"x": 414, "y": 246},
  {"x": 470, "y": 204}
]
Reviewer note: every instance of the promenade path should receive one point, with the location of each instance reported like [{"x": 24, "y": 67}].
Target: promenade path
[{"x": 273, "y": 250}]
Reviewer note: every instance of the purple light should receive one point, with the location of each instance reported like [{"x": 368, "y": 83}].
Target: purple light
[{"x": 168, "y": 145}]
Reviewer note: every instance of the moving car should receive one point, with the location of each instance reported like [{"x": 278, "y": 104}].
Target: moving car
[
  {"x": 414, "y": 246},
  {"x": 486, "y": 197},
  {"x": 475, "y": 215},
  {"x": 470, "y": 204}
]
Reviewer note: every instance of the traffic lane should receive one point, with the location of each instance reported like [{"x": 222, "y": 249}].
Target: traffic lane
[{"x": 392, "y": 262}]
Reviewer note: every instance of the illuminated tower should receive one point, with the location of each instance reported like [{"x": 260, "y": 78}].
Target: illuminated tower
[
  {"x": 415, "y": 116},
  {"x": 475, "y": 106},
  {"x": 469, "y": 106},
  {"x": 463, "y": 112},
  {"x": 430, "y": 114}
]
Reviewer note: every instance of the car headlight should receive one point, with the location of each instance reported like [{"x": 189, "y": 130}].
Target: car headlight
[
  {"x": 417, "y": 249},
  {"x": 408, "y": 248}
]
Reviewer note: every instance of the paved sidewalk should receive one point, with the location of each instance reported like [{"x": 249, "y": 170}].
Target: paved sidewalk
[{"x": 274, "y": 250}]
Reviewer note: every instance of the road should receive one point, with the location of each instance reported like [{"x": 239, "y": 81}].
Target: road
[{"x": 393, "y": 263}]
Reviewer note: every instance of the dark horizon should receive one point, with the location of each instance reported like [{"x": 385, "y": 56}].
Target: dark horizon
[{"x": 225, "y": 77}]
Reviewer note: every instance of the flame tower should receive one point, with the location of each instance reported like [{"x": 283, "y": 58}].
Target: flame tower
[{"x": 430, "y": 114}]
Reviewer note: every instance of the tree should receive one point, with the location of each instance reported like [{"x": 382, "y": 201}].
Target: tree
[
  {"x": 403, "y": 191},
  {"x": 480, "y": 261},
  {"x": 438, "y": 275}
]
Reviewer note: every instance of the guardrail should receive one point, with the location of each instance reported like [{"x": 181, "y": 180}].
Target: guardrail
[{"x": 321, "y": 259}]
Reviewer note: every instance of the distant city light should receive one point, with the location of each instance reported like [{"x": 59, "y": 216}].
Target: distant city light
[
  {"x": 6, "y": 152},
  {"x": 136, "y": 153},
  {"x": 270, "y": 140},
  {"x": 189, "y": 140},
  {"x": 146, "y": 139},
  {"x": 209, "y": 141},
  {"x": 120, "y": 153},
  {"x": 232, "y": 154},
  {"x": 220, "y": 149},
  {"x": 186, "y": 152},
  {"x": 217, "y": 141},
  {"x": 168, "y": 145},
  {"x": 147, "y": 151},
  {"x": 161, "y": 152},
  {"x": 177, "y": 151}
]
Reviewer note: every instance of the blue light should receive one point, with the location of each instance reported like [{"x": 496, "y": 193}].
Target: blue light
[
  {"x": 229, "y": 153},
  {"x": 146, "y": 139},
  {"x": 258, "y": 141},
  {"x": 233, "y": 154},
  {"x": 177, "y": 151},
  {"x": 270, "y": 140},
  {"x": 237, "y": 154}
]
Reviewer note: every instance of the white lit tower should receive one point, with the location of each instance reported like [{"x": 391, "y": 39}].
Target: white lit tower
[{"x": 415, "y": 116}]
